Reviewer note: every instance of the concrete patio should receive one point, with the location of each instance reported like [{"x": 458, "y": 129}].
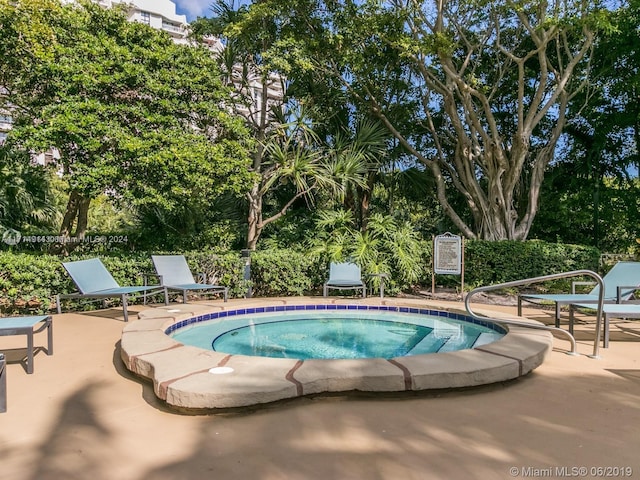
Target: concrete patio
[{"x": 83, "y": 415}]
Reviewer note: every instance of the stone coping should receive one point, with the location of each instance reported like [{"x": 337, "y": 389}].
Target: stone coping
[{"x": 182, "y": 375}]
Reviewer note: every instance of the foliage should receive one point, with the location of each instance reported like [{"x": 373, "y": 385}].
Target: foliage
[
  {"x": 29, "y": 282},
  {"x": 574, "y": 210},
  {"x": 221, "y": 268},
  {"x": 283, "y": 272},
  {"x": 131, "y": 113},
  {"x": 385, "y": 247},
  {"x": 592, "y": 193},
  {"x": 476, "y": 92},
  {"x": 494, "y": 262},
  {"x": 300, "y": 152},
  {"x": 26, "y": 196}
]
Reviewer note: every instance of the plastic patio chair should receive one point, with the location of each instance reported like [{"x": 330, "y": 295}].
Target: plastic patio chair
[
  {"x": 344, "y": 276},
  {"x": 93, "y": 280},
  {"x": 619, "y": 285},
  {"x": 174, "y": 274}
]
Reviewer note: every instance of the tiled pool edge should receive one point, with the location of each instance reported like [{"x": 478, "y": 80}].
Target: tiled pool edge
[{"x": 181, "y": 377}]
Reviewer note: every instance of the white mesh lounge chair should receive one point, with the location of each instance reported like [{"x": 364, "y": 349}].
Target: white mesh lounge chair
[
  {"x": 93, "y": 280},
  {"x": 619, "y": 285},
  {"x": 344, "y": 276},
  {"x": 175, "y": 274},
  {"x": 29, "y": 326}
]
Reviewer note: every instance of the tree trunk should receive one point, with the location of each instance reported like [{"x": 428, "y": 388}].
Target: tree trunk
[
  {"x": 255, "y": 216},
  {"x": 77, "y": 214},
  {"x": 365, "y": 202}
]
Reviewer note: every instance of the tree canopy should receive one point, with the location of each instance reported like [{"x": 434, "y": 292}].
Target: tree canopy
[
  {"x": 130, "y": 111},
  {"x": 490, "y": 112}
]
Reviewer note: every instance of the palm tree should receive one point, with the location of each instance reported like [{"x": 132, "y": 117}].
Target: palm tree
[{"x": 26, "y": 196}]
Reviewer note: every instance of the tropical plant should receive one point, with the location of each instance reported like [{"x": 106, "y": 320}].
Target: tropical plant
[
  {"x": 385, "y": 247},
  {"x": 26, "y": 198}
]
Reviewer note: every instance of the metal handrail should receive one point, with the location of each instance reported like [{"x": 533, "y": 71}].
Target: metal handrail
[
  {"x": 3, "y": 384},
  {"x": 575, "y": 273}
]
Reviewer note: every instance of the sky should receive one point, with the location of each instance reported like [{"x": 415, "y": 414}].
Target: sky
[{"x": 198, "y": 8}]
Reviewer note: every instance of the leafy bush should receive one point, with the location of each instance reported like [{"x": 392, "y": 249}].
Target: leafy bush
[
  {"x": 488, "y": 263},
  {"x": 27, "y": 282},
  {"x": 30, "y": 281},
  {"x": 284, "y": 272}
]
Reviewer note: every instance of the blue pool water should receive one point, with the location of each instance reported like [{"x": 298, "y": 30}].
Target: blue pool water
[{"x": 335, "y": 335}]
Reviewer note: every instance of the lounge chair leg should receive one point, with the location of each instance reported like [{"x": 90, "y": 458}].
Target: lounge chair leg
[
  {"x": 571, "y": 318},
  {"x": 3, "y": 384},
  {"x": 50, "y": 336},
  {"x": 184, "y": 297},
  {"x": 124, "y": 308},
  {"x": 58, "y": 304},
  {"x": 226, "y": 294},
  {"x": 557, "y": 315},
  {"x": 166, "y": 296},
  {"x": 30, "y": 352}
]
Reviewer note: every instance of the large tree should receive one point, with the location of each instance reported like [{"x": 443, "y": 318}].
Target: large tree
[
  {"x": 131, "y": 112},
  {"x": 291, "y": 162},
  {"x": 486, "y": 87}
]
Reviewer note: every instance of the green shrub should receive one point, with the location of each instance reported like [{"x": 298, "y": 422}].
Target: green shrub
[
  {"x": 283, "y": 272},
  {"x": 27, "y": 282},
  {"x": 30, "y": 281}
]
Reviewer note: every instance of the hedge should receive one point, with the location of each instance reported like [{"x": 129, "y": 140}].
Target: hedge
[{"x": 30, "y": 281}]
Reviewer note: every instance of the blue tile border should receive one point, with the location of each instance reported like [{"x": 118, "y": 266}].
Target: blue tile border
[{"x": 382, "y": 308}]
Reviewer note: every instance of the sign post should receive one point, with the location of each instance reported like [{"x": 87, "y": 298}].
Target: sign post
[{"x": 448, "y": 258}]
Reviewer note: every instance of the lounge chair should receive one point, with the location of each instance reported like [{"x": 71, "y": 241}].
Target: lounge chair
[
  {"x": 174, "y": 274},
  {"x": 344, "y": 276},
  {"x": 29, "y": 326},
  {"x": 619, "y": 285},
  {"x": 93, "y": 280}
]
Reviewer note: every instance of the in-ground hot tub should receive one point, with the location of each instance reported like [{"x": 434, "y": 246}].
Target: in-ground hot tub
[{"x": 199, "y": 377}]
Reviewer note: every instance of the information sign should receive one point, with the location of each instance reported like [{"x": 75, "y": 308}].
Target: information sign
[{"x": 447, "y": 254}]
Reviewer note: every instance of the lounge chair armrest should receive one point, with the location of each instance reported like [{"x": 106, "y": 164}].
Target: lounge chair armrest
[
  {"x": 146, "y": 275},
  {"x": 574, "y": 284},
  {"x": 620, "y": 288},
  {"x": 201, "y": 277}
]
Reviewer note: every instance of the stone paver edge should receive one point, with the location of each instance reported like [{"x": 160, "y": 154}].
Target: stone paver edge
[{"x": 180, "y": 374}]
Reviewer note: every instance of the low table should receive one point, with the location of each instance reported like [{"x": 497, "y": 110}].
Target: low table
[{"x": 27, "y": 326}]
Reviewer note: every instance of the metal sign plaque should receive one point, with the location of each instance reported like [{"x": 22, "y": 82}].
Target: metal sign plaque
[{"x": 447, "y": 254}]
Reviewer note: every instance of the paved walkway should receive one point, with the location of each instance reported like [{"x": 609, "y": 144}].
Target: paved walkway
[{"x": 82, "y": 415}]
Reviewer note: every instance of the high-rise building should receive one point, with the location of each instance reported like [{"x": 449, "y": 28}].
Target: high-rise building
[{"x": 160, "y": 14}]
